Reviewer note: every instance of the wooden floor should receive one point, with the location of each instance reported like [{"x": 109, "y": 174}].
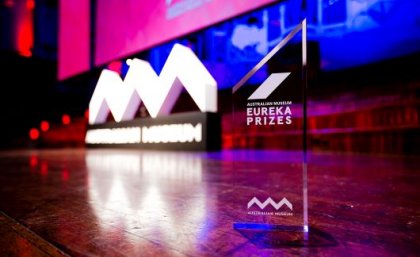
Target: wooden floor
[{"x": 79, "y": 202}]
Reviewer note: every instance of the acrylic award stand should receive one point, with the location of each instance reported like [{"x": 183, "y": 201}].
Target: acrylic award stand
[{"x": 270, "y": 136}]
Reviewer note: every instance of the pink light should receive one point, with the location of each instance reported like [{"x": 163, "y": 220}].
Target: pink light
[
  {"x": 73, "y": 55},
  {"x": 30, "y": 4},
  {"x": 33, "y": 134},
  {"x": 115, "y": 66},
  {"x": 33, "y": 161},
  {"x": 24, "y": 28},
  {"x": 65, "y": 119},
  {"x": 45, "y": 126},
  {"x": 9, "y": 3},
  {"x": 117, "y": 25},
  {"x": 44, "y": 168},
  {"x": 65, "y": 175},
  {"x": 87, "y": 114}
]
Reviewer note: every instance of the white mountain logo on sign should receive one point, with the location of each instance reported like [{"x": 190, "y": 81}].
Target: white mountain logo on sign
[{"x": 158, "y": 93}]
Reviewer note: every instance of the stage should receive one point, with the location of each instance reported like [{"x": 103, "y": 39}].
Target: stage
[{"x": 99, "y": 202}]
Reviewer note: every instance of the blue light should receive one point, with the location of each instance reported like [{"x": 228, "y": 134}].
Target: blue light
[
  {"x": 349, "y": 33},
  {"x": 270, "y": 227}
]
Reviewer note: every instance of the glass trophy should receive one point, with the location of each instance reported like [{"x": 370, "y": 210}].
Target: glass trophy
[{"x": 269, "y": 127}]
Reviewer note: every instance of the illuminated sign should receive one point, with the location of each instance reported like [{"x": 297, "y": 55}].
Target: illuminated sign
[
  {"x": 173, "y": 133},
  {"x": 179, "y": 131},
  {"x": 114, "y": 136},
  {"x": 158, "y": 93}
]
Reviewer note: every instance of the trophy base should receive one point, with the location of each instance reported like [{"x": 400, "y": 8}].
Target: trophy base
[
  {"x": 270, "y": 227},
  {"x": 274, "y": 236}
]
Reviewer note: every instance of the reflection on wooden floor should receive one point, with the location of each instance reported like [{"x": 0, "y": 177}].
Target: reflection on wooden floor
[{"x": 78, "y": 202}]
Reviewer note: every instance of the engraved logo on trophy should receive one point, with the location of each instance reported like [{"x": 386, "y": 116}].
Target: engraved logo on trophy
[
  {"x": 268, "y": 86},
  {"x": 263, "y": 112},
  {"x": 272, "y": 203}
]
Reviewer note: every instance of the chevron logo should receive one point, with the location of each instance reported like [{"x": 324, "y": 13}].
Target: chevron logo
[
  {"x": 276, "y": 206},
  {"x": 158, "y": 93},
  {"x": 269, "y": 85}
]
